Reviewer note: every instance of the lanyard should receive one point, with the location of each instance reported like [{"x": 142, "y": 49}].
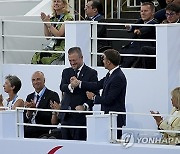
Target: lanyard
[
  {"x": 35, "y": 96},
  {"x": 13, "y": 101}
]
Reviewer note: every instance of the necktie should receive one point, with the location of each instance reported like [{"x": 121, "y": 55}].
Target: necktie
[
  {"x": 37, "y": 98},
  {"x": 76, "y": 73}
]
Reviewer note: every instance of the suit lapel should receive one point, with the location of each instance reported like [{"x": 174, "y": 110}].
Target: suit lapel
[{"x": 82, "y": 72}]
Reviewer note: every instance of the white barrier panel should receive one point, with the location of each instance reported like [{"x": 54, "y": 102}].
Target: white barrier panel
[
  {"x": 98, "y": 128},
  {"x": 8, "y": 124},
  {"x": 42, "y": 146}
]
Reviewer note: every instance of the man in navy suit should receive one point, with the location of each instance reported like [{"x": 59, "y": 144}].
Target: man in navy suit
[
  {"x": 94, "y": 12},
  {"x": 40, "y": 98},
  {"x": 113, "y": 85},
  {"x": 140, "y": 32},
  {"x": 75, "y": 98}
]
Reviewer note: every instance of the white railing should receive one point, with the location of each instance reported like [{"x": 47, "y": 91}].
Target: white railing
[
  {"x": 97, "y": 116},
  {"x": 93, "y": 47}
]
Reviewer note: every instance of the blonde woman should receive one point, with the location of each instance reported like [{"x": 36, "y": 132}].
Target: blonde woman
[
  {"x": 171, "y": 123},
  {"x": 60, "y": 13},
  {"x": 11, "y": 86}
]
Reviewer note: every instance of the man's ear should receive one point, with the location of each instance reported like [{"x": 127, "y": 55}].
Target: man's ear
[{"x": 95, "y": 9}]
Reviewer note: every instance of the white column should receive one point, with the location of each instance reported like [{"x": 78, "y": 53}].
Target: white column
[
  {"x": 98, "y": 128},
  {"x": 1, "y": 56},
  {"x": 78, "y": 33},
  {"x": 168, "y": 57}
]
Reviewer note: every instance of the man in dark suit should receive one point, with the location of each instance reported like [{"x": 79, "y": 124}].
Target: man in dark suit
[
  {"x": 75, "y": 98},
  {"x": 140, "y": 32},
  {"x": 40, "y": 98},
  {"x": 113, "y": 85},
  {"x": 94, "y": 12}
]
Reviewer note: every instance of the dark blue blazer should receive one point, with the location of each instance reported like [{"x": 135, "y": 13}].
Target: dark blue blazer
[
  {"x": 78, "y": 97},
  {"x": 43, "y": 117},
  {"x": 113, "y": 94}
]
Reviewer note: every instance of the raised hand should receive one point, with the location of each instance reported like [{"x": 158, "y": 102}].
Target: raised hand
[
  {"x": 90, "y": 95},
  {"x": 74, "y": 82},
  {"x": 157, "y": 118},
  {"x": 55, "y": 105}
]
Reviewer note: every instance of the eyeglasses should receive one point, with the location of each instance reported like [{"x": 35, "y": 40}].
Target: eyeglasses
[{"x": 170, "y": 14}]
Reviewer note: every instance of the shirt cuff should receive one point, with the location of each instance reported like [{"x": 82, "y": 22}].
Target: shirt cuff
[
  {"x": 80, "y": 83},
  {"x": 86, "y": 106},
  {"x": 70, "y": 88}
]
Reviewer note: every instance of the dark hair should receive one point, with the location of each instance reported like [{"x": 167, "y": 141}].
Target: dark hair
[
  {"x": 150, "y": 4},
  {"x": 14, "y": 81},
  {"x": 75, "y": 50},
  {"x": 98, "y": 5},
  {"x": 113, "y": 56},
  {"x": 173, "y": 7}
]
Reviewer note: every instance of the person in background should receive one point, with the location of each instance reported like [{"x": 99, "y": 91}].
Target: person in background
[
  {"x": 172, "y": 13},
  {"x": 113, "y": 86},
  {"x": 171, "y": 122},
  {"x": 94, "y": 12},
  {"x": 161, "y": 14},
  {"x": 11, "y": 86},
  {"x": 41, "y": 98},
  {"x": 140, "y": 32},
  {"x": 60, "y": 14},
  {"x": 75, "y": 98}
]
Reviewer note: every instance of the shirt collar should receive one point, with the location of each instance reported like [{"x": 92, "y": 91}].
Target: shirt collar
[
  {"x": 80, "y": 68},
  {"x": 111, "y": 71},
  {"x": 41, "y": 92}
]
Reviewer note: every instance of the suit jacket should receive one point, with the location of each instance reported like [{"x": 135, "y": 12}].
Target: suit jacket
[
  {"x": 174, "y": 138},
  {"x": 113, "y": 95},
  {"x": 101, "y": 30},
  {"x": 78, "y": 97},
  {"x": 43, "y": 117}
]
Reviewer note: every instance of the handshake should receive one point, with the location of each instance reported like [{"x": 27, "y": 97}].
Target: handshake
[{"x": 74, "y": 82}]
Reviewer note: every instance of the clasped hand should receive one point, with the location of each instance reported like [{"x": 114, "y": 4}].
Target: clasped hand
[
  {"x": 74, "y": 82},
  {"x": 45, "y": 18}
]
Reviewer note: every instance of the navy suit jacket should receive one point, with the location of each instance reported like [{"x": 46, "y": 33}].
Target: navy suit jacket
[
  {"x": 113, "y": 94},
  {"x": 78, "y": 97},
  {"x": 43, "y": 117}
]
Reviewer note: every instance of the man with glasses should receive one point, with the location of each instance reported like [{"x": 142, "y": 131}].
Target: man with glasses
[{"x": 172, "y": 13}]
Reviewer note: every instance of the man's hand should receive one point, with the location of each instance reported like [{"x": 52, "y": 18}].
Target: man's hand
[
  {"x": 80, "y": 108},
  {"x": 30, "y": 104},
  {"x": 55, "y": 105},
  {"x": 137, "y": 31},
  {"x": 74, "y": 82},
  {"x": 90, "y": 95}
]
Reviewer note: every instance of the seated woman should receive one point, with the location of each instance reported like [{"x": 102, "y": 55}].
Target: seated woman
[
  {"x": 172, "y": 122},
  {"x": 60, "y": 14},
  {"x": 11, "y": 86}
]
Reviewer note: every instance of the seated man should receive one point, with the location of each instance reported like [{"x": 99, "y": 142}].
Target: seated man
[
  {"x": 94, "y": 12},
  {"x": 173, "y": 15},
  {"x": 40, "y": 98},
  {"x": 140, "y": 32}
]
